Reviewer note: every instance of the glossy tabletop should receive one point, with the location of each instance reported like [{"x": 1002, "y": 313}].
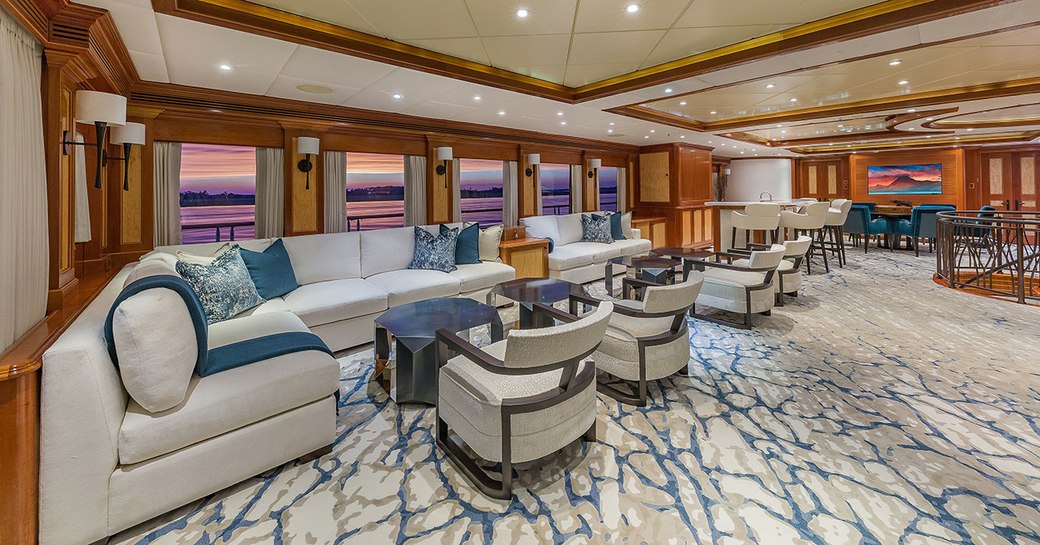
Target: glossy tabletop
[{"x": 416, "y": 324}]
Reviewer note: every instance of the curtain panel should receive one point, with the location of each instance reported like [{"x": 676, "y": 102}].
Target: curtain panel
[
  {"x": 576, "y": 179},
  {"x": 622, "y": 189},
  {"x": 456, "y": 191},
  {"x": 510, "y": 186},
  {"x": 270, "y": 192},
  {"x": 335, "y": 191},
  {"x": 82, "y": 198},
  {"x": 167, "y": 180},
  {"x": 24, "y": 253},
  {"x": 414, "y": 190},
  {"x": 538, "y": 193}
]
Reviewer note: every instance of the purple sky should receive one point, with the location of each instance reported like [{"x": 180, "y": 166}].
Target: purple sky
[{"x": 218, "y": 168}]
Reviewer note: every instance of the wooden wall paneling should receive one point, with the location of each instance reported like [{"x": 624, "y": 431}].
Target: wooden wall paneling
[
  {"x": 589, "y": 186},
  {"x": 972, "y": 179},
  {"x": 438, "y": 188},
  {"x": 216, "y": 128},
  {"x": 527, "y": 194},
  {"x": 654, "y": 184},
  {"x": 131, "y": 205},
  {"x": 374, "y": 142},
  {"x": 952, "y": 162},
  {"x": 19, "y": 428},
  {"x": 304, "y": 208}
]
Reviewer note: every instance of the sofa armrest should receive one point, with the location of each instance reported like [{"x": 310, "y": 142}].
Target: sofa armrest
[{"x": 636, "y": 234}]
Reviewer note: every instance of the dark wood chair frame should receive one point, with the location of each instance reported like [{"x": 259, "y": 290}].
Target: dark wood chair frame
[
  {"x": 818, "y": 237},
  {"x": 637, "y": 394},
  {"x": 571, "y": 383},
  {"x": 779, "y": 275},
  {"x": 767, "y": 283}
]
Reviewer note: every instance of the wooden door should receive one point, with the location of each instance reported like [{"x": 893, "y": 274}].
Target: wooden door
[
  {"x": 822, "y": 180},
  {"x": 1026, "y": 179},
  {"x": 997, "y": 181}
]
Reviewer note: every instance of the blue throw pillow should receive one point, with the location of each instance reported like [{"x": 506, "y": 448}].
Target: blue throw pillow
[
  {"x": 467, "y": 245},
  {"x": 616, "y": 232},
  {"x": 224, "y": 287},
  {"x": 434, "y": 252},
  {"x": 271, "y": 270},
  {"x": 551, "y": 243},
  {"x": 595, "y": 229}
]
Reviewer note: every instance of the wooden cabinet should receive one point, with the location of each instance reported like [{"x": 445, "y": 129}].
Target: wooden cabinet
[
  {"x": 529, "y": 256},
  {"x": 653, "y": 229},
  {"x": 674, "y": 183}
]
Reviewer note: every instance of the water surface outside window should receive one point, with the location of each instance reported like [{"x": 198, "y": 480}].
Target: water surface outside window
[
  {"x": 608, "y": 189},
  {"x": 375, "y": 191},
  {"x": 481, "y": 191},
  {"x": 556, "y": 188},
  {"x": 218, "y": 193}
]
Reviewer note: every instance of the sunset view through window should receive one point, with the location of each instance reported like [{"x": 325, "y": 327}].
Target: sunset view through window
[{"x": 218, "y": 193}]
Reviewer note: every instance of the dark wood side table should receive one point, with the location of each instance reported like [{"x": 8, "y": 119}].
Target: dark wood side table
[{"x": 687, "y": 255}]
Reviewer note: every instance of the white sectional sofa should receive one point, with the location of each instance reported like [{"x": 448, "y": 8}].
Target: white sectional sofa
[
  {"x": 106, "y": 463},
  {"x": 577, "y": 261}
]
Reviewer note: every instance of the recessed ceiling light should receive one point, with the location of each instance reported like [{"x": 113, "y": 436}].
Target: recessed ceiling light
[
  {"x": 780, "y": 125},
  {"x": 929, "y": 136},
  {"x": 895, "y": 62},
  {"x": 682, "y": 136},
  {"x": 653, "y": 130},
  {"x": 558, "y": 114},
  {"x": 713, "y": 112},
  {"x": 682, "y": 103},
  {"x": 969, "y": 130},
  {"x": 910, "y": 129},
  {"x": 225, "y": 67},
  {"x": 783, "y": 132},
  {"x": 476, "y": 97},
  {"x": 930, "y": 119},
  {"x": 610, "y": 130},
  {"x": 709, "y": 141},
  {"x": 794, "y": 100},
  {"x": 398, "y": 96},
  {"x": 903, "y": 82},
  {"x": 611, "y": 123},
  {"x": 647, "y": 136},
  {"x": 770, "y": 86},
  {"x": 911, "y": 110},
  {"x": 563, "y": 122},
  {"x": 521, "y": 13},
  {"x": 840, "y": 125},
  {"x": 668, "y": 89},
  {"x": 632, "y": 8},
  {"x": 501, "y": 112}
]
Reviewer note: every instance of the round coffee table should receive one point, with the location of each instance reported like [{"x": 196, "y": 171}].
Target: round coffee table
[
  {"x": 412, "y": 376},
  {"x": 657, "y": 269},
  {"x": 687, "y": 255},
  {"x": 528, "y": 291}
]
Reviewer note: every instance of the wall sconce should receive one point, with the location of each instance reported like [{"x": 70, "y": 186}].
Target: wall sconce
[
  {"x": 444, "y": 155},
  {"x": 594, "y": 165},
  {"x": 101, "y": 109},
  {"x": 307, "y": 146},
  {"x": 727, "y": 171},
  {"x": 127, "y": 135},
  {"x": 533, "y": 160}
]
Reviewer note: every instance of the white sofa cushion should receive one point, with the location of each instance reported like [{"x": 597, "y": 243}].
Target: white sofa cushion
[
  {"x": 488, "y": 241},
  {"x": 205, "y": 253},
  {"x": 335, "y": 300},
  {"x": 599, "y": 251},
  {"x": 156, "y": 346},
  {"x": 632, "y": 246},
  {"x": 251, "y": 327},
  {"x": 569, "y": 257},
  {"x": 478, "y": 276},
  {"x": 542, "y": 227},
  {"x": 410, "y": 285},
  {"x": 386, "y": 250},
  {"x": 333, "y": 256},
  {"x": 570, "y": 229}
]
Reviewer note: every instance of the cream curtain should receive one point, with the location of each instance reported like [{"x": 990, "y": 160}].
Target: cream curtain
[
  {"x": 82, "y": 199},
  {"x": 23, "y": 184},
  {"x": 510, "y": 210},
  {"x": 456, "y": 191},
  {"x": 576, "y": 179},
  {"x": 335, "y": 191},
  {"x": 167, "y": 179},
  {"x": 538, "y": 194},
  {"x": 414, "y": 190},
  {"x": 270, "y": 192},
  {"x": 622, "y": 189}
]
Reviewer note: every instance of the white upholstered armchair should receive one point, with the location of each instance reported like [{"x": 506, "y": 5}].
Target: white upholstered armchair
[
  {"x": 521, "y": 398},
  {"x": 789, "y": 272},
  {"x": 745, "y": 289},
  {"x": 648, "y": 339}
]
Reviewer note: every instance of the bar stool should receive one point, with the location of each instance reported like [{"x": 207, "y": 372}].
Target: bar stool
[
  {"x": 757, "y": 216},
  {"x": 810, "y": 221},
  {"x": 834, "y": 228}
]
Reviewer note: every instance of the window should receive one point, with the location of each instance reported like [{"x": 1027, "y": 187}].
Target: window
[
  {"x": 481, "y": 191},
  {"x": 556, "y": 188},
  {"x": 608, "y": 189},
  {"x": 375, "y": 191},
  {"x": 218, "y": 193}
]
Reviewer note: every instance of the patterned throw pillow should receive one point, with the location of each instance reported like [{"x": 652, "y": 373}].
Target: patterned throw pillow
[
  {"x": 434, "y": 252},
  {"x": 224, "y": 287},
  {"x": 595, "y": 229}
]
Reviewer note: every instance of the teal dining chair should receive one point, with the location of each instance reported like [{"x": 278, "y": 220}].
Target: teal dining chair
[
  {"x": 921, "y": 225},
  {"x": 860, "y": 224}
]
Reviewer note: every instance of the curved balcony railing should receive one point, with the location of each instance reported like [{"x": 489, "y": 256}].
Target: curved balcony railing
[{"x": 996, "y": 253}]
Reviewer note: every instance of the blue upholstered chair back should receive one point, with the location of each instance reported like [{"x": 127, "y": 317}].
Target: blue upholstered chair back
[
  {"x": 859, "y": 217},
  {"x": 923, "y": 218}
]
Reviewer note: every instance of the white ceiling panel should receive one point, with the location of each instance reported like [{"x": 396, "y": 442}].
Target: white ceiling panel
[
  {"x": 611, "y": 15},
  {"x": 979, "y": 22},
  {"x": 194, "y": 52},
  {"x": 337, "y": 12},
  {"x": 411, "y": 20},
  {"x": 614, "y": 47},
  {"x": 512, "y": 51},
  {"x": 135, "y": 22},
  {"x": 288, "y": 87},
  {"x": 684, "y": 42},
  {"x": 438, "y": 110},
  {"x": 705, "y": 13},
  {"x": 471, "y": 49},
  {"x": 150, "y": 67},
  {"x": 318, "y": 65},
  {"x": 583, "y": 74},
  {"x": 545, "y": 17},
  {"x": 414, "y": 88}
]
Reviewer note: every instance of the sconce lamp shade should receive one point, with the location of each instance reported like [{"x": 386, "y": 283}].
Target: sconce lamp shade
[
  {"x": 98, "y": 107},
  {"x": 534, "y": 159},
  {"x": 444, "y": 154},
  {"x": 727, "y": 171},
  {"x": 131, "y": 133},
  {"x": 595, "y": 163},
  {"x": 308, "y": 145}
]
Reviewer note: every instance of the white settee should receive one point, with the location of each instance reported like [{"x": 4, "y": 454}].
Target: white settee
[
  {"x": 577, "y": 261},
  {"x": 106, "y": 463}
]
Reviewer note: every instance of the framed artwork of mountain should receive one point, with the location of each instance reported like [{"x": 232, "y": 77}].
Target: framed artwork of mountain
[{"x": 905, "y": 180}]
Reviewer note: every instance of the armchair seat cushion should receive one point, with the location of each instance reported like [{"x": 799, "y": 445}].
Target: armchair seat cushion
[
  {"x": 470, "y": 401},
  {"x": 334, "y": 300},
  {"x": 792, "y": 276},
  {"x": 570, "y": 256},
  {"x": 725, "y": 290},
  {"x": 231, "y": 399},
  {"x": 904, "y": 227},
  {"x": 479, "y": 276},
  {"x": 410, "y": 285},
  {"x": 618, "y": 354}
]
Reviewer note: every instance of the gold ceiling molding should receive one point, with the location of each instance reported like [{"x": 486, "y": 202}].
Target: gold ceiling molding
[
  {"x": 949, "y": 123},
  {"x": 1016, "y": 137},
  {"x": 261, "y": 20}
]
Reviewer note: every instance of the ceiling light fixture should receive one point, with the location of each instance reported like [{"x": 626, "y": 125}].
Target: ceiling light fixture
[
  {"x": 225, "y": 67},
  {"x": 713, "y": 112},
  {"x": 501, "y": 112},
  {"x": 969, "y": 130},
  {"x": 521, "y": 13},
  {"x": 610, "y": 130},
  {"x": 559, "y": 113},
  {"x": 632, "y": 8},
  {"x": 476, "y": 97},
  {"x": 611, "y": 123},
  {"x": 895, "y": 62},
  {"x": 398, "y": 96},
  {"x": 794, "y": 100},
  {"x": 668, "y": 89},
  {"x": 653, "y": 130},
  {"x": 770, "y": 86},
  {"x": 911, "y": 110},
  {"x": 682, "y": 103},
  {"x": 682, "y": 136},
  {"x": 903, "y": 82},
  {"x": 563, "y": 122},
  {"x": 647, "y": 136}
]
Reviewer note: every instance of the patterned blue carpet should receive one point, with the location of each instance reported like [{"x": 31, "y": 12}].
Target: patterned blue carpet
[{"x": 877, "y": 407}]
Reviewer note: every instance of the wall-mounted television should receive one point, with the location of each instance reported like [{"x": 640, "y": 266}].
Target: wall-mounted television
[{"x": 905, "y": 180}]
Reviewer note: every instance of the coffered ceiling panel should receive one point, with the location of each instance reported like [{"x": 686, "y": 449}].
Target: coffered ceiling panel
[
  {"x": 307, "y": 90},
  {"x": 612, "y": 15},
  {"x": 318, "y": 65},
  {"x": 336, "y": 12},
  {"x": 471, "y": 49},
  {"x": 410, "y": 20},
  {"x": 510, "y": 51},
  {"x": 764, "y": 12},
  {"x": 683, "y": 42},
  {"x": 583, "y": 74},
  {"x": 613, "y": 47},
  {"x": 544, "y": 17}
]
